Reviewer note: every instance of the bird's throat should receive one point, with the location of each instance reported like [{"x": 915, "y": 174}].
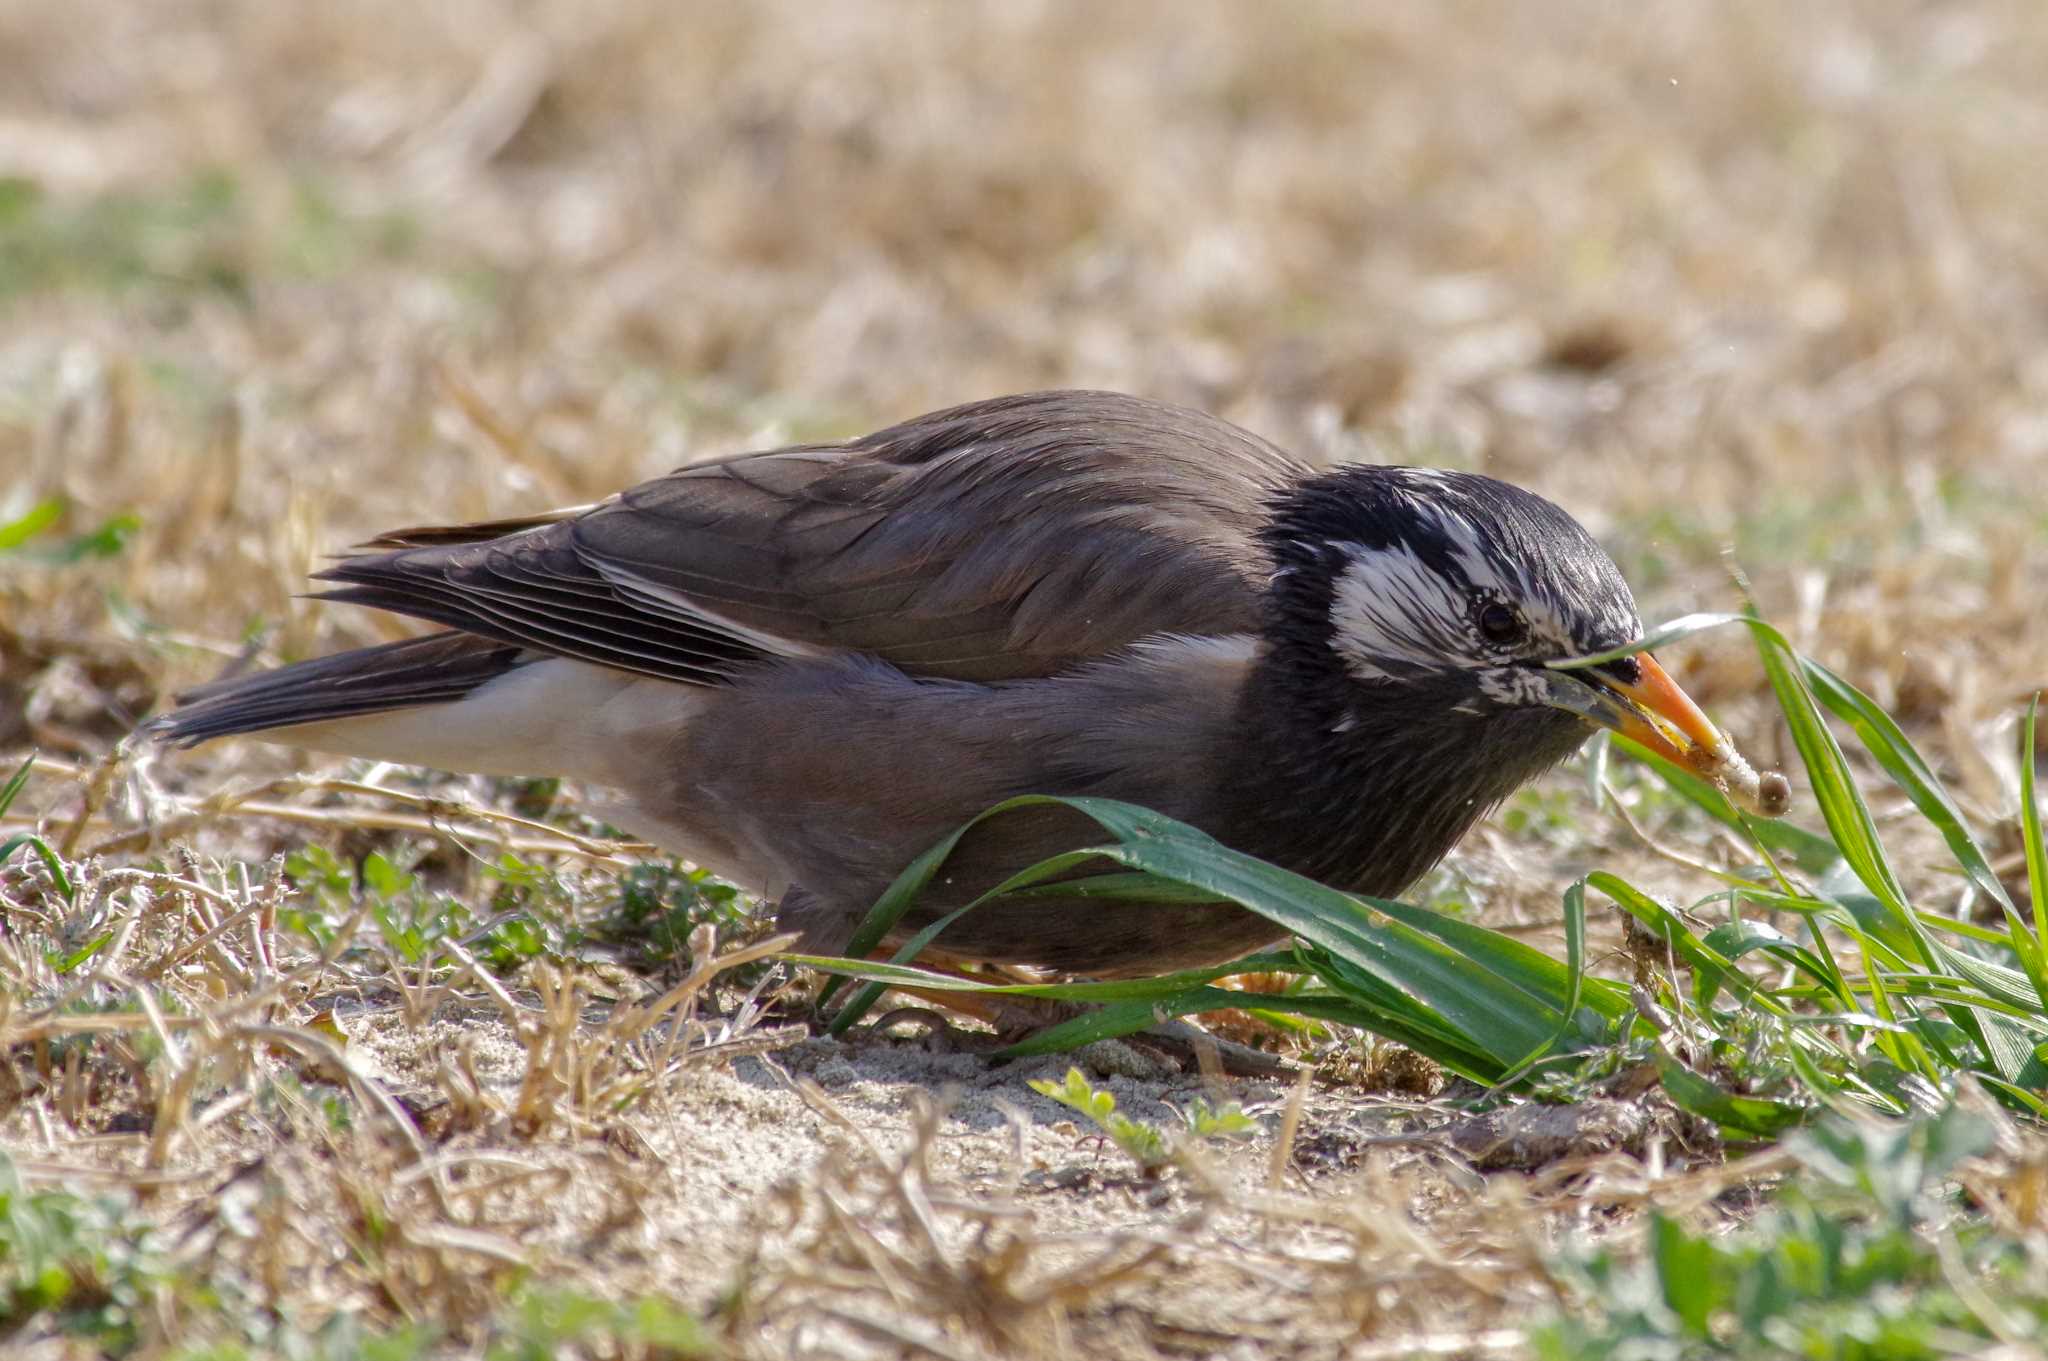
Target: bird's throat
[{"x": 1365, "y": 787}]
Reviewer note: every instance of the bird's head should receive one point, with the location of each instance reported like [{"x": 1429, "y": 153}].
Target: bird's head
[{"x": 1440, "y": 596}]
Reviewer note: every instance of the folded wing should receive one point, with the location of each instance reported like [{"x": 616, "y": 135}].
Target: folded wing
[{"x": 1001, "y": 539}]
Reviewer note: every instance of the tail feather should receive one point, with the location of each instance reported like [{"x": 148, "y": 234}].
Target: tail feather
[{"x": 436, "y": 669}]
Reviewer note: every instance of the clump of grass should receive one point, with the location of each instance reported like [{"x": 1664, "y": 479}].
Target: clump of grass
[
  {"x": 1866, "y": 1254},
  {"x": 163, "y": 1017},
  {"x": 94, "y": 1270}
]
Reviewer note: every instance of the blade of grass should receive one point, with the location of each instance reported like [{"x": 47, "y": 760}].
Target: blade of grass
[
  {"x": 1464, "y": 992},
  {"x": 1736, "y": 939},
  {"x": 1683, "y": 627},
  {"x": 51, "y": 860},
  {"x": 1895, "y": 753},
  {"x": 1153, "y": 989},
  {"x": 12, "y": 789},
  {"x": 2026, "y": 1100},
  {"x": 2030, "y": 828},
  {"x": 858, "y": 1005},
  {"x": 1560, "y": 986},
  {"x": 1575, "y": 961},
  {"x": 1827, "y": 768},
  {"x": 1855, "y": 832},
  {"x": 1676, "y": 934},
  {"x": 1485, "y": 1012},
  {"x": 39, "y": 517}
]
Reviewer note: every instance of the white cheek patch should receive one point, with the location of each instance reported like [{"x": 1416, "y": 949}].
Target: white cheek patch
[{"x": 1393, "y": 615}]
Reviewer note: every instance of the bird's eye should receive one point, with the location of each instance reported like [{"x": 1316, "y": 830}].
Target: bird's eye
[{"x": 1501, "y": 624}]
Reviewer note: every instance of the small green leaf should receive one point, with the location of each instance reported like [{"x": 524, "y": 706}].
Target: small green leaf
[
  {"x": 1743, "y": 1116},
  {"x": 1685, "y": 1267},
  {"x": 38, "y": 518},
  {"x": 1229, "y": 1123}
]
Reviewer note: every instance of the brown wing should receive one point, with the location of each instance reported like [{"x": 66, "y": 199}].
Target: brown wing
[{"x": 1005, "y": 538}]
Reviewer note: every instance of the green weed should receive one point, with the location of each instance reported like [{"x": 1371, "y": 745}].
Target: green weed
[
  {"x": 1861, "y": 1257},
  {"x": 1149, "y": 1146}
]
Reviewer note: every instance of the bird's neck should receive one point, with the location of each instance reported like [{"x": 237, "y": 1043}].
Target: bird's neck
[{"x": 1365, "y": 787}]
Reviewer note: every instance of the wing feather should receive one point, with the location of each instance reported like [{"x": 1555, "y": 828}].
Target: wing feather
[{"x": 1009, "y": 538}]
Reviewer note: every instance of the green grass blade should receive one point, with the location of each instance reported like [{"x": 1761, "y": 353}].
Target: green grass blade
[
  {"x": 2030, "y": 828},
  {"x": 1678, "y": 629},
  {"x": 858, "y": 1005},
  {"x": 1480, "y": 1019},
  {"x": 1675, "y": 933},
  {"x": 1471, "y": 997},
  {"x": 1893, "y": 751},
  {"x": 51, "y": 860},
  {"x": 1901, "y": 1046},
  {"x": 1575, "y": 961},
  {"x": 1855, "y": 831},
  {"x": 1846, "y": 1094},
  {"x": 1152, "y": 989},
  {"x": 1736, "y": 939},
  {"x": 12, "y": 789},
  {"x": 1545, "y": 980},
  {"x": 39, "y": 517},
  {"x": 2029, "y": 1101},
  {"x": 894, "y": 902},
  {"x": 1131, "y": 887},
  {"x": 1827, "y": 770}
]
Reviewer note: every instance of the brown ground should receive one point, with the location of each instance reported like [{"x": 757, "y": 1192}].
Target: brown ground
[{"x": 1753, "y": 276}]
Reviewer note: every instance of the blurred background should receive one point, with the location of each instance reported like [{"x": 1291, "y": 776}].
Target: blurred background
[{"x": 1735, "y": 282}]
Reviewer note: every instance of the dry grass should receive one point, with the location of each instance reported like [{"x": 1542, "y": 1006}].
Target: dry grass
[{"x": 1751, "y": 275}]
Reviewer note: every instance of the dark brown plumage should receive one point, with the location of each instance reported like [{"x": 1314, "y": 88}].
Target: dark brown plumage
[{"x": 803, "y": 667}]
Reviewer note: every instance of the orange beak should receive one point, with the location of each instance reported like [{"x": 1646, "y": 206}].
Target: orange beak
[
  {"x": 1662, "y": 717},
  {"x": 1650, "y": 710}
]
